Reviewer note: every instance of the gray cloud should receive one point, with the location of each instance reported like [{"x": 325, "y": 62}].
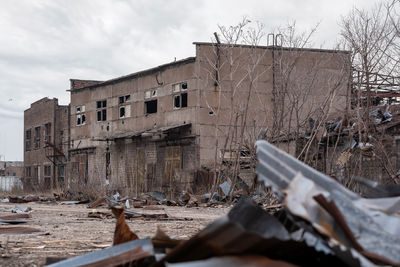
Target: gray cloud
[{"x": 44, "y": 43}]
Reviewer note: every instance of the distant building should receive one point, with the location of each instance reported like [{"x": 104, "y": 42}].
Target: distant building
[
  {"x": 46, "y": 135},
  {"x": 12, "y": 168}
]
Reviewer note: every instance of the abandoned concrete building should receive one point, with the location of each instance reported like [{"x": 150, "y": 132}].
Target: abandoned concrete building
[
  {"x": 46, "y": 134},
  {"x": 158, "y": 129},
  {"x": 164, "y": 128}
]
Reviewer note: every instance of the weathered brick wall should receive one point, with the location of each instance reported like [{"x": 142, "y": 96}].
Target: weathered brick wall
[{"x": 40, "y": 113}]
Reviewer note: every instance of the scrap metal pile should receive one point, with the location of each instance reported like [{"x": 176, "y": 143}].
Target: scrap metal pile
[{"x": 321, "y": 223}]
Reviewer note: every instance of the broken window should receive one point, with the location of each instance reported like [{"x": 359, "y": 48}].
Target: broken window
[
  {"x": 178, "y": 87},
  {"x": 124, "y": 99},
  {"x": 151, "y": 106},
  {"x": 150, "y": 94},
  {"x": 37, "y": 137},
  {"x": 80, "y": 119},
  {"x": 28, "y": 136},
  {"x": 80, "y": 109},
  {"x": 122, "y": 112},
  {"x": 180, "y": 100},
  {"x": 47, "y": 133},
  {"x": 101, "y": 110}
]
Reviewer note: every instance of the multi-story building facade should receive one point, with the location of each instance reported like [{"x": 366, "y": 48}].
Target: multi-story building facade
[
  {"x": 46, "y": 136},
  {"x": 154, "y": 129}
]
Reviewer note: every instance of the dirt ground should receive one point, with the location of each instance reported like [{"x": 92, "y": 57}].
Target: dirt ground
[{"x": 71, "y": 232}]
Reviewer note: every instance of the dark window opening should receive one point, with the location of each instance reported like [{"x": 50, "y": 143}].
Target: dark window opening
[
  {"x": 151, "y": 106},
  {"x": 28, "y": 140},
  {"x": 78, "y": 120},
  {"x": 37, "y": 137},
  {"x": 123, "y": 99},
  {"x": 122, "y": 112},
  {"x": 47, "y": 132},
  {"x": 83, "y": 119},
  {"x": 177, "y": 101},
  {"x": 101, "y": 104},
  {"x": 184, "y": 86},
  {"x": 101, "y": 114},
  {"x": 180, "y": 101},
  {"x": 184, "y": 100}
]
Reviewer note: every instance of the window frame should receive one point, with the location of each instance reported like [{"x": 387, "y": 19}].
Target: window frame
[
  {"x": 28, "y": 141},
  {"x": 101, "y": 109},
  {"x": 179, "y": 91}
]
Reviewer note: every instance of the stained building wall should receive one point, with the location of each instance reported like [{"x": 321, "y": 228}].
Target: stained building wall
[
  {"x": 45, "y": 128},
  {"x": 136, "y": 164},
  {"x": 140, "y": 151},
  {"x": 254, "y": 82}
]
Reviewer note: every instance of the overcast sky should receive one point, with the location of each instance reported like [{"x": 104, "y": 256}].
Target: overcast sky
[{"x": 45, "y": 43}]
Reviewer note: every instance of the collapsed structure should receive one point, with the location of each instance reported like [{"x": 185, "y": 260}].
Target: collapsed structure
[{"x": 164, "y": 128}]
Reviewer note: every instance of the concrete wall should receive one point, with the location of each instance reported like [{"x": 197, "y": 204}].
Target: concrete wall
[
  {"x": 124, "y": 170},
  {"x": 251, "y": 86},
  {"x": 143, "y": 162}
]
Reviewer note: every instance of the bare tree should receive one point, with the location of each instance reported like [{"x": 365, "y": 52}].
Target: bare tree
[
  {"x": 240, "y": 71},
  {"x": 373, "y": 38}
]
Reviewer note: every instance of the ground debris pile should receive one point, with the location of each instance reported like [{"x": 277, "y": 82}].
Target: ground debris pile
[{"x": 320, "y": 224}]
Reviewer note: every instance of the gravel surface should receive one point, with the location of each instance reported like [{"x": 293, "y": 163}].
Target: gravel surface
[{"x": 71, "y": 232}]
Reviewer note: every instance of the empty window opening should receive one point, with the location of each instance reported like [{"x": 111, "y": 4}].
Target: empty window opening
[
  {"x": 124, "y": 99},
  {"x": 101, "y": 104},
  {"x": 122, "y": 112},
  {"x": 28, "y": 137},
  {"x": 80, "y": 119},
  {"x": 37, "y": 137},
  {"x": 102, "y": 115},
  {"x": 101, "y": 110},
  {"x": 180, "y": 101},
  {"x": 47, "y": 132},
  {"x": 80, "y": 109},
  {"x": 151, "y": 106}
]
